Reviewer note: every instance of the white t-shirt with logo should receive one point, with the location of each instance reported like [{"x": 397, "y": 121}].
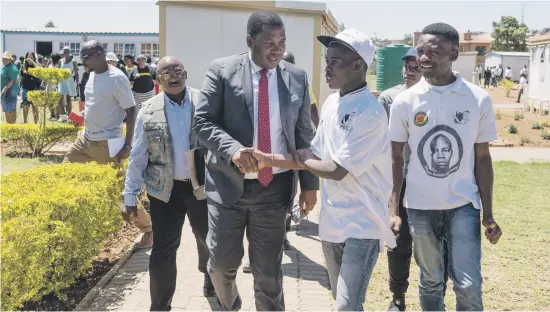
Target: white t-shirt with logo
[
  {"x": 353, "y": 132},
  {"x": 441, "y": 129}
]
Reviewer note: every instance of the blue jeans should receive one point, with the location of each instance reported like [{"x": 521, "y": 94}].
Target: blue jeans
[
  {"x": 349, "y": 267},
  {"x": 462, "y": 229}
]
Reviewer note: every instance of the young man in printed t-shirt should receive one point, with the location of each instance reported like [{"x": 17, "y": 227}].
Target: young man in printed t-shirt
[
  {"x": 351, "y": 152},
  {"x": 448, "y": 124}
]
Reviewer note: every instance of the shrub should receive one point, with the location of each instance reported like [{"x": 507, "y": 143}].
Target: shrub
[
  {"x": 545, "y": 124},
  {"x": 49, "y": 97},
  {"x": 518, "y": 115},
  {"x": 498, "y": 115},
  {"x": 508, "y": 85},
  {"x": 54, "y": 220},
  {"x": 537, "y": 126},
  {"x": 36, "y": 138},
  {"x": 545, "y": 134},
  {"x": 512, "y": 129},
  {"x": 524, "y": 140}
]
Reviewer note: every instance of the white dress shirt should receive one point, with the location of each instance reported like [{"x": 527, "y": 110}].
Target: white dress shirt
[{"x": 278, "y": 138}]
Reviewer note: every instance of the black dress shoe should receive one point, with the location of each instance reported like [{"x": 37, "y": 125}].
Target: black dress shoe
[
  {"x": 208, "y": 288},
  {"x": 286, "y": 245}
]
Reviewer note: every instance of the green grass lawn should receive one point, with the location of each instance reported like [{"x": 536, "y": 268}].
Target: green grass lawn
[{"x": 516, "y": 271}]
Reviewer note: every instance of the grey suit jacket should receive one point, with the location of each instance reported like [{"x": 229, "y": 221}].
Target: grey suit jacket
[{"x": 224, "y": 123}]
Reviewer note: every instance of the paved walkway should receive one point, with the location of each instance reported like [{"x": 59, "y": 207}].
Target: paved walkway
[{"x": 305, "y": 279}]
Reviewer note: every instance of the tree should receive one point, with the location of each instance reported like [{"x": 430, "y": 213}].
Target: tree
[
  {"x": 509, "y": 35},
  {"x": 408, "y": 39},
  {"x": 50, "y": 24}
]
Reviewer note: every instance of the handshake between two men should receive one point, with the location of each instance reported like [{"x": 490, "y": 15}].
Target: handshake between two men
[{"x": 252, "y": 160}]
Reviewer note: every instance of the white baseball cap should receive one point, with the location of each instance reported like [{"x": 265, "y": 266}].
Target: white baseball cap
[
  {"x": 111, "y": 56},
  {"x": 353, "y": 39}
]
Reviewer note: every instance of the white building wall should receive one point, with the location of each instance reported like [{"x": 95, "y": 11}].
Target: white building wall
[
  {"x": 465, "y": 65},
  {"x": 539, "y": 74},
  {"x": 21, "y": 43},
  {"x": 493, "y": 60},
  {"x": 199, "y": 34},
  {"x": 516, "y": 63}
]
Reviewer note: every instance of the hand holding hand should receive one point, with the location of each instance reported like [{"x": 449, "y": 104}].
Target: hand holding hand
[
  {"x": 302, "y": 155},
  {"x": 245, "y": 161}
]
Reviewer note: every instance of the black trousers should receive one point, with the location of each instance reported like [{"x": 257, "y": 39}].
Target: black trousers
[
  {"x": 167, "y": 220},
  {"x": 399, "y": 258},
  {"x": 519, "y": 95}
]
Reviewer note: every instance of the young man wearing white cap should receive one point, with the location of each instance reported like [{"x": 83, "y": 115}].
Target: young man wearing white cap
[{"x": 351, "y": 152}]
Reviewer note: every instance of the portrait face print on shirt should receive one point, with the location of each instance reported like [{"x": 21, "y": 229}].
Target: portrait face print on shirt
[{"x": 440, "y": 151}]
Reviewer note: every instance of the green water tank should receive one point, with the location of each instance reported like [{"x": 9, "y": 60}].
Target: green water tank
[{"x": 390, "y": 66}]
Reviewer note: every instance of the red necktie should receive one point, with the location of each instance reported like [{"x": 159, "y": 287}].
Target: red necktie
[{"x": 265, "y": 176}]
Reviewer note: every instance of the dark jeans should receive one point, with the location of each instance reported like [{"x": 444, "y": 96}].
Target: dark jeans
[
  {"x": 520, "y": 94},
  {"x": 261, "y": 212},
  {"x": 167, "y": 220},
  {"x": 399, "y": 258}
]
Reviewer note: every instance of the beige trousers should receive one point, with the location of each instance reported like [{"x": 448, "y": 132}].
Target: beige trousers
[{"x": 84, "y": 150}]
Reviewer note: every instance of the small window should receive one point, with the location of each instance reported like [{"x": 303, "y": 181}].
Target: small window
[
  {"x": 74, "y": 46},
  {"x": 124, "y": 48},
  {"x": 105, "y": 46},
  {"x": 480, "y": 50},
  {"x": 150, "y": 49}
]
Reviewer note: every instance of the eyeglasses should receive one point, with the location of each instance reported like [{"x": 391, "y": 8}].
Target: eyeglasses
[
  {"x": 87, "y": 56},
  {"x": 411, "y": 68},
  {"x": 176, "y": 74}
]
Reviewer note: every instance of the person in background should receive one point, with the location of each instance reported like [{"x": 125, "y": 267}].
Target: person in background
[
  {"x": 129, "y": 63},
  {"x": 148, "y": 62},
  {"x": 113, "y": 61},
  {"x": 141, "y": 78},
  {"x": 16, "y": 62},
  {"x": 20, "y": 62},
  {"x": 448, "y": 122},
  {"x": 83, "y": 81},
  {"x": 479, "y": 71},
  {"x": 10, "y": 87},
  {"x": 524, "y": 71},
  {"x": 487, "y": 78},
  {"x": 521, "y": 86},
  {"x": 174, "y": 198},
  {"x": 29, "y": 83},
  {"x": 509, "y": 74},
  {"x": 53, "y": 63},
  {"x": 108, "y": 100},
  {"x": 154, "y": 65},
  {"x": 67, "y": 87},
  {"x": 494, "y": 76}
]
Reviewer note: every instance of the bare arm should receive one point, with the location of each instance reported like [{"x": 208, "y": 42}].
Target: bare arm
[
  {"x": 130, "y": 124},
  {"x": 398, "y": 163},
  {"x": 484, "y": 177},
  {"x": 326, "y": 169},
  {"x": 75, "y": 66},
  {"x": 314, "y": 115}
]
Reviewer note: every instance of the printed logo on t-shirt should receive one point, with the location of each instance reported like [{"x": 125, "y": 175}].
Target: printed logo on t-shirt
[
  {"x": 345, "y": 123},
  {"x": 440, "y": 151},
  {"x": 462, "y": 118},
  {"x": 420, "y": 119}
]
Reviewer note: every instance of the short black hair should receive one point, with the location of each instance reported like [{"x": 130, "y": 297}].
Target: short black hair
[
  {"x": 259, "y": 19},
  {"x": 444, "y": 30},
  {"x": 55, "y": 57},
  {"x": 130, "y": 56}
]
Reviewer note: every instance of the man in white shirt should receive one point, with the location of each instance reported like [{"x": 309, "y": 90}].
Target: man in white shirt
[
  {"x": 351, "y": 152},
  {"x": 448, "y": 123},
  {"x": 108, "y": 100},
  {"x": 523, "y": 71},
  {"x": 508, "y": 74}
]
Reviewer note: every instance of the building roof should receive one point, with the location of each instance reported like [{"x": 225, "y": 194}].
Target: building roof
[
  {"x": 539, "y": 38},
  {"x": 276, "y": 5},
  {"x": 521, "y": 54},
  {"x": 79, "y": 32},
  {"x": 477, "y": 38}
]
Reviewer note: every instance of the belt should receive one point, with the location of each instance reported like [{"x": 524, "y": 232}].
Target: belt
[{"x": 183, "y": 180}]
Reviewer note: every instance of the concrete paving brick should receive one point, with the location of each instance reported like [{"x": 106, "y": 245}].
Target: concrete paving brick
[{"x": 305, "y": 280}]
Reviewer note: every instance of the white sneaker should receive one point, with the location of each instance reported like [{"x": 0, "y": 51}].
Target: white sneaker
[{"x": 63, "y": 118}]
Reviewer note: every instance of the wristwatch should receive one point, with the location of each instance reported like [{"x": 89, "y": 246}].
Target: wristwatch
[{"x": 128, "y": 146}]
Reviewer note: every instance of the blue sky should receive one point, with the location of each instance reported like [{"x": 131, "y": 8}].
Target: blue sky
[{"x": 390, "y": 19}]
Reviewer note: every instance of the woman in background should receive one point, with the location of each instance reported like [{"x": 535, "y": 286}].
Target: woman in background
[
  {"x": 141, "y": 78},
  {"x": 67, "y": 87},
  {"x": 29, "y": 83},
  {"x": 54, "y": 63}
]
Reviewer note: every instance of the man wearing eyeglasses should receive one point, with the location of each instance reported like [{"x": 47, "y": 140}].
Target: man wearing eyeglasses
[{"x": 167, "y": 158}]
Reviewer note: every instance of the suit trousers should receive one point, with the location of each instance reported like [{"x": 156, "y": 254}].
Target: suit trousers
[
  {"x": 168, "y": 219},
  {"x": 261, "y": 212}
]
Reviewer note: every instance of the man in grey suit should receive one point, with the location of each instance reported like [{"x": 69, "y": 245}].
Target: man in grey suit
[{"x": 253, "y": 101}]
